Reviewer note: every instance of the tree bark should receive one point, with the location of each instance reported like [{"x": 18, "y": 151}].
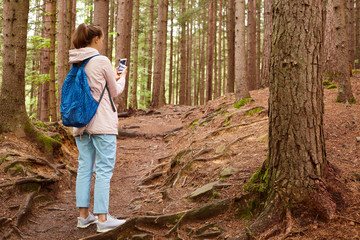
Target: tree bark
[
  {"x": 258, "y": 42},
  {"x": 251, "y": 44},
  {"x": 231, "y": 46},
  {"x": 329, "y": 59},
  {"x": 219, "y": 74},
  {"x": 351, "y": 30},
  {"x": 123, "y": 45},
  {"x": 342, "y": 51},
  {"x": 242, "y": 90},
  {"x": 101, "y": 18},
  {"x": 13, "y": 117},
  {"x": 265, "y": 66}
]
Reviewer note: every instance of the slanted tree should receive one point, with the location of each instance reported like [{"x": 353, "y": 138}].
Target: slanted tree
[
  {"x": 241, "y": 81},
  {"x": 293, "y": 177}
]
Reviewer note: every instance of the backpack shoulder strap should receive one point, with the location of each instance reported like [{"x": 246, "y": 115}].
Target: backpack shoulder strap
[{"x": 87, "y": 60}]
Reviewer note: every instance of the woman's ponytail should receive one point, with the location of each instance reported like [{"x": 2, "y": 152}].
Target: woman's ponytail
[{"x": 84, "y": 34}]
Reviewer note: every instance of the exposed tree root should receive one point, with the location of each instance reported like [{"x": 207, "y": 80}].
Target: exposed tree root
[
  {"x": 27, "y": 180},
  {"x": 127, "y": 229}
]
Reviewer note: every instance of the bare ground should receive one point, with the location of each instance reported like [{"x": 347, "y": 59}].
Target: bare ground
[{"x": 163, "y": 157}]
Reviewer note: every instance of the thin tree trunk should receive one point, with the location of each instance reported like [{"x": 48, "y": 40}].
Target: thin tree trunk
[
  {"x": 52, "y": 94},
  {"x": 123, "y": 45},
  {"x": 134, "y": 103},
  {"x": 159, "y": 54},
  {"x": 342, "y": 51},
  {"x": 202, "y": 63},
  {"x": 357, "y": 34},
  {"x": 210, "y": 51},
  {"x": 189, "y": 62},
  {"x": 219, "y": 75},
  {"x": 242, "y": 90},
  {"x": 150, "y": 61},
  {"x": 258, "y": 42},
  {"x": 61, "y": 48},
  {"x": 183, "y": 60},
  {"x": 45, "y": 63},
  {"x": 251, "y": 44},
  {"x": 265, "y": 66},
  {"x": 111, "y": 30},
  {"x": 163, "y": 67},
  {"x": 231, "y": 46},
  {"x": 101, "y": 18},
  {"x": 171, "y": 54}
]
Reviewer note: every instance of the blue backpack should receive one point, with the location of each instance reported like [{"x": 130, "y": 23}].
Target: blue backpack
[{"x": 78, "y": 106}]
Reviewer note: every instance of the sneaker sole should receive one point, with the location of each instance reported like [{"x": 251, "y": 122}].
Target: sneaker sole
[{"x": 85, "y": 226}]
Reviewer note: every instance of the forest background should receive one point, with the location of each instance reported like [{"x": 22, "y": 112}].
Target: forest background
[{"x": 193, "y": 62}]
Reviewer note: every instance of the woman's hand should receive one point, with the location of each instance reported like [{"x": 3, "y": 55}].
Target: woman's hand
[{"x": 120, "y": 75}]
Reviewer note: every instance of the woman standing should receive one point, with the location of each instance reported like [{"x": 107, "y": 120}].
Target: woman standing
[{"x": 97, "y": 140}]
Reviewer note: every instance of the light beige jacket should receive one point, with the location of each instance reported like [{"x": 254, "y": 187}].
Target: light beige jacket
[{"x": 99, "y": 71}]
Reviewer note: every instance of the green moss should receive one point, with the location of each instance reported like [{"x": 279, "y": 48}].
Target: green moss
[
  {"x": 259, "y": 182},
  {"x": 332, "y": 86},
  {"x": 253, "y": 111},
  {"x": 4, "y": 158},
  {"x": 327, "y": 83},
  {"x": 176, "y": 159},
  {"x": 352, "y": 101},
  {"x": 192, "y": 124},
  {"x": 242, "y": 102},
  {"x": 40, "y": 124}
]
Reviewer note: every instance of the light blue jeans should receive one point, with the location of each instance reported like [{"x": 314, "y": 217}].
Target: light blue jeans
[{"x": 101, "y": 151}]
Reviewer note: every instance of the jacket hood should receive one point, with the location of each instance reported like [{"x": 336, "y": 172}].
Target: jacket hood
[{"x": 80, "y": 54}]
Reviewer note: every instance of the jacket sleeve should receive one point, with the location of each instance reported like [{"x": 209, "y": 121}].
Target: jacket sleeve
[{"x": 115, "y": 87}]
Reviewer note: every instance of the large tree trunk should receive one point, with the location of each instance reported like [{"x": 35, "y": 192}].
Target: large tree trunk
[
  {"x": 342, "y": 51},
  {"x": 52, "y": 88},
  {"x": 231, "y": 46},
  {"x": 123, "y": 45},
  {"x": 265, "y": 66},
  {"x": 101, "y": 18},
  {"x": 251, "y": 44},
  {"x": 134, "y": 103},
  {"x": 13, "y": 117},
  {"x": 210, "y": 51},
  {"x": 159, "y": 53},
  {"x": 163, "y": 67},
  {"x": 171, "y": 54},
  {"x": 219, "y": 76},
  {"x": 242, "y": 90},
  {"x": 293, "y": 176}
]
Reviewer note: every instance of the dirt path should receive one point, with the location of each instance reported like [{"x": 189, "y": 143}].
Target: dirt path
[{"x": 156, "y": 171}]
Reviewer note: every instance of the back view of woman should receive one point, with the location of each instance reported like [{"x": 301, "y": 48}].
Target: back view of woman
[{"x": 96, "y": 141}]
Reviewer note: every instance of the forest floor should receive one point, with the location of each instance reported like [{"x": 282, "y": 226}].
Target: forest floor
[{"x": 163, "y": 156}]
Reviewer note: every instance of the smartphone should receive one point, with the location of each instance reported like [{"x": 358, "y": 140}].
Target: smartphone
[{"x": 122, "y": 65}]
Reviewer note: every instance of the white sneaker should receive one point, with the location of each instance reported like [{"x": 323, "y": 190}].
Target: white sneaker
[
  {"x": 110, "y": 223},
  {"x": 84, "y": 223}
]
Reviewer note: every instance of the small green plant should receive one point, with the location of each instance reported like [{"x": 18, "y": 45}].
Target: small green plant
[
  {"x": 352, "y": 101},
  {"x": 242, "y": 102},
  {"x": 253, "y": 111}
]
